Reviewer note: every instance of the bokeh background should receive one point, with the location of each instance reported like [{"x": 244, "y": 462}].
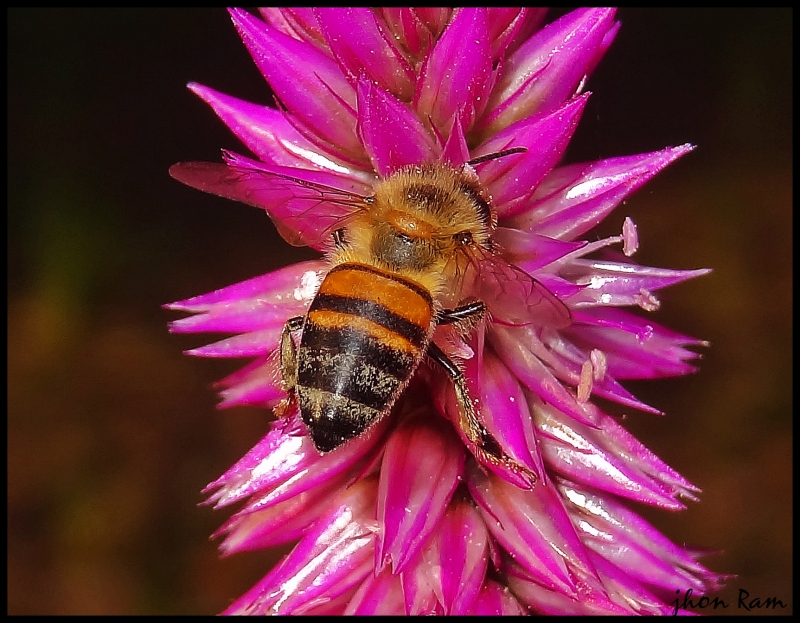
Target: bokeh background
[{"x": 112, "y": 432}]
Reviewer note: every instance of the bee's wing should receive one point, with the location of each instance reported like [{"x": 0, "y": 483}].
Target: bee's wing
[
  {"x": 512, "y": 296},
  {"x": 304, "y": 212}
]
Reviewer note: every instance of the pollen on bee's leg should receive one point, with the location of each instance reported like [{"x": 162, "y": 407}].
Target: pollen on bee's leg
[{"x": 283, "y": 409}]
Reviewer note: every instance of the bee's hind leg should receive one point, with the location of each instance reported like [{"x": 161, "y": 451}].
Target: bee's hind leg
[
  {"x": 487, "y": 448},
  {"x": 288, "y": 352}
]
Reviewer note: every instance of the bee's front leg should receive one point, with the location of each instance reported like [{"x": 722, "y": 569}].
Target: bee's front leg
[
  {"x": 338, "y": 238},
  {"x": 465, "y": 317}
]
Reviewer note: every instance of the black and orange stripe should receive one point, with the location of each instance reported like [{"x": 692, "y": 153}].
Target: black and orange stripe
[{"x": 365, "y": 333}]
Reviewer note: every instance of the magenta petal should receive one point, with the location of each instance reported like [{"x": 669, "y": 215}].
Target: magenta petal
[
  {"x": 411, "y": 501},
  {"x": 379, "y": 594},
  {"x": 267, "y": 133},
  {"x": 325, "y": 468},
  {"x": 628, "y": 592},
  {"x": 535, "y": 375},
  {"x": 575, "y": 198},
  {"x": 595, "y": 457},
  {"x": 244, "y": 315},
  {"x": 298, "y": 22},
  {"x": 281, "y": 523},
  {"x": 567, "y": 361},
  {"x": 635, "y": 348},
  {"x": 283, "y": 451},
  {"x": 419, "y": 590},
  {"x": 505, "y": 413},
  {"x": 519, "y": 475},
  {"x": 333, "y": 557},
  {"x": 535, "y": 251},
  {"x": 456, "y": 151},
  {"x": 457, "y": 71},
  {"x": 393, "y": 135},
  {"x": 296, "y": 282},
  {"x": 626, "y": 445},
  {"x": 409, "y": 29},
  {"x": 496, "y": 600},
  {"x": 621, "y": 283},
  {"x": 447, "y": 575},
  {"x": 533, "y": 527},
  {"x": 257, "y": 384},
  {"x": 459, "y": 558},
  {"x": 560, "y": 56},
  {"x": 250, "y": 344},
  {"x": 505, "y": 24},
  {"x": 512, "y": 180},
  {"x": 307, "y": 82},
  {"x": 629, "y": 542},
  {"x": 360, "y": 45},
  {"x": 532, "y": 20},
  {"x": 590, "y": 599}
]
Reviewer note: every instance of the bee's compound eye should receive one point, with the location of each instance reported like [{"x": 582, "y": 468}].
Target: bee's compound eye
[{"x": 463, "y": 237}]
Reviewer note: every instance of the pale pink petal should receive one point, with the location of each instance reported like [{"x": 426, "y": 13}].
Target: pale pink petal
[
  {"x": 293, "y": 285},
  {"x": 575, "y": 198}
]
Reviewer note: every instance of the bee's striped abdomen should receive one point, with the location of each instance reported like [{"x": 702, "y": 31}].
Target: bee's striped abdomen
[{"x": 365, "y": 333}]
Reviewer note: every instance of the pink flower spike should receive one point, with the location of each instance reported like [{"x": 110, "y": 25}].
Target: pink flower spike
[{"x": 439, "y": 446}]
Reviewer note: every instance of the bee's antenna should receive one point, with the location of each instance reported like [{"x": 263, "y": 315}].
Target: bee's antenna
[{"x": 496, "y": 155}]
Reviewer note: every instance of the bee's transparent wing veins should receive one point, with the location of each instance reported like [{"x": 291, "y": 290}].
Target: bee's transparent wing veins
[
  {"x": 511, "y": 295},
  {"x": 304, "y": 212}
]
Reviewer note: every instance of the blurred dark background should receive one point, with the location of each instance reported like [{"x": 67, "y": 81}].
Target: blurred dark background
[{"x": 113, "y": 432}]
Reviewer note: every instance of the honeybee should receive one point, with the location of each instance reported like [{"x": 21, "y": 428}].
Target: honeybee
[{"x": 415, "y": 254}]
